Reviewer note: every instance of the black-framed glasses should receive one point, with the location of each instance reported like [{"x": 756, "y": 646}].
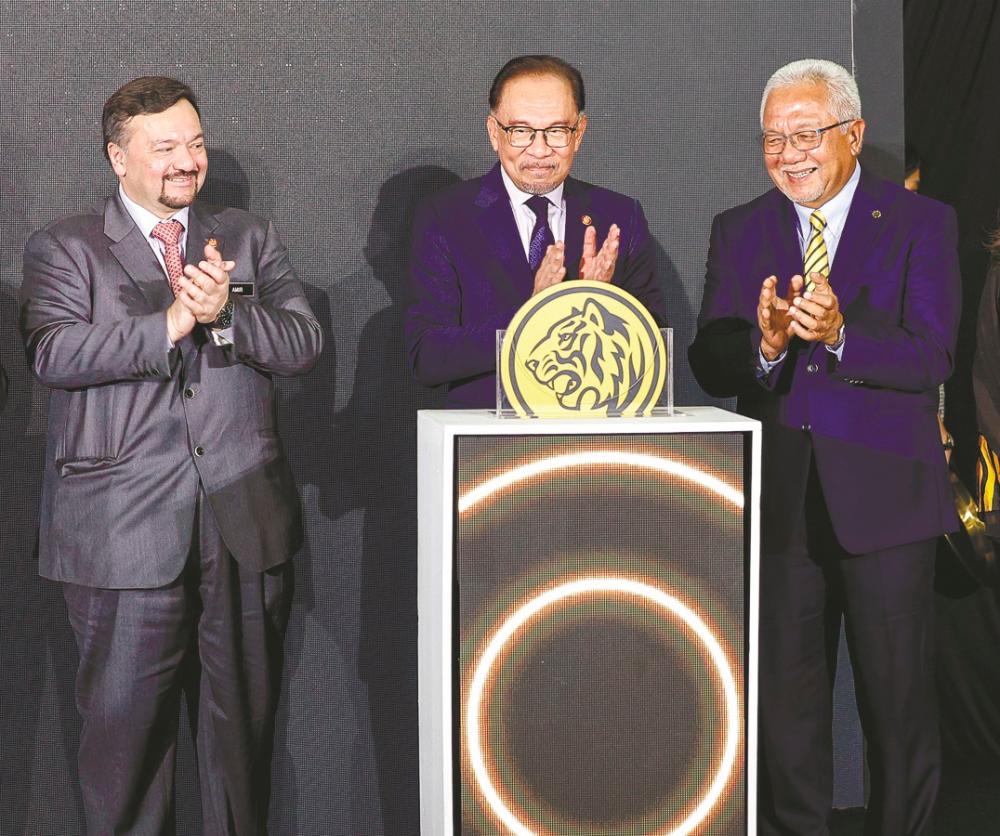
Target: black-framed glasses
[
  {"x": 521, "y": 136},
  {"x": 774, "y": 143}
]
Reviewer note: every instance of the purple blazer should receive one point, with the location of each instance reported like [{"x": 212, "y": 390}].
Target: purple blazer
[
  {"x": 869, "y": 420},
  {"x": 469, "y": 275}
]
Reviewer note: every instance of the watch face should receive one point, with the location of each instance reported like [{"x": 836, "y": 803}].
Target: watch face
[{"x": 225, "y": 317}]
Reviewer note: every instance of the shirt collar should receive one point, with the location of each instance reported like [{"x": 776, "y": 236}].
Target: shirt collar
[
  {"x": 518, "y": 198},
  {"x": 835, "y": 209},
  {"x": 146, "y": 220}
]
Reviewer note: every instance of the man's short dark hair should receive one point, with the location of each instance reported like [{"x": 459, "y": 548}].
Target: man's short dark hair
[
  {"x": 148, "y": 94},
  {"x": 538, "y": 65}
]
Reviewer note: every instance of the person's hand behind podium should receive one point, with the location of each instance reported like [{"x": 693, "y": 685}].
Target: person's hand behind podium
[
  {"x": 552, "y": 270},
  {"x": 599, "y": 265},
  {"x": 773, "y": 316},
  {"x": 816, "y": 315}
]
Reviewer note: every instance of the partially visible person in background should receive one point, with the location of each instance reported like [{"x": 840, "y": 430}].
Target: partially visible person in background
[
  {"x": 911, "y": 178},
  {"x": 911, "y": 181},
  {"x": 986, "y": 385}
]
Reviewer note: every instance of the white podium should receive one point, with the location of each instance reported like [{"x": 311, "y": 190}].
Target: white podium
[{"x": 587, "y": 601}]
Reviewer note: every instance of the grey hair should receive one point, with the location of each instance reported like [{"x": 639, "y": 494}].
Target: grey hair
[{"x": 842, "y": 90}]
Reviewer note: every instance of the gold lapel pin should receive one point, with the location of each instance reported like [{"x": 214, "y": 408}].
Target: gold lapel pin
[
  {"x": 876, "y": 214},
  {"x": 587, "y": 220}
]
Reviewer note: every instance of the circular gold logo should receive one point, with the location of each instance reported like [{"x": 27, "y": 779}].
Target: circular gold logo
[{"x": 582, "y": 348}]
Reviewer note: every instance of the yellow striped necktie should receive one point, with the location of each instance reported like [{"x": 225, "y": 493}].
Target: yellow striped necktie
[{"x": 816, "y": 259}]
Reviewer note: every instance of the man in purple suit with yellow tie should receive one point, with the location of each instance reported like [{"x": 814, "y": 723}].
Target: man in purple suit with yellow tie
[
  {"x": 483, "y": 247},
  {"x": 830, "y": 310}
]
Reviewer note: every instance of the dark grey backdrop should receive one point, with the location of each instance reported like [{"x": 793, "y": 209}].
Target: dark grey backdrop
[{"x": 332, "y": 119}]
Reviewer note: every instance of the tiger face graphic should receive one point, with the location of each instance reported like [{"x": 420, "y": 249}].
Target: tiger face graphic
[{"x": 589, "y": 359}]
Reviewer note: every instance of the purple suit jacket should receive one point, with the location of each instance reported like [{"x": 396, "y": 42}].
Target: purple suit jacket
[
  {"x": 870, "y": 420},
  {"x": 469, "y": 275}
]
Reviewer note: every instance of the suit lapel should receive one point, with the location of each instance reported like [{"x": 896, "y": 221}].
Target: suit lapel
[
  {"x": 201, "y": 225},
  {"x": 496, "y": 221},
  {"x": 578, "y": 206},
  {"x": 861, "y": 230},
  {"x": 780, "y": 235},
  {"x": 202, "y": 222},
  {"x": 135, "y": 255}
]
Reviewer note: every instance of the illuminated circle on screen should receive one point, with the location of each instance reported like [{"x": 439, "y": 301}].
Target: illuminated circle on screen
[
  {"x": 650, "y": 595},
  {"x": 606, "y": 458},
  {"x": 646, "y": 591}
]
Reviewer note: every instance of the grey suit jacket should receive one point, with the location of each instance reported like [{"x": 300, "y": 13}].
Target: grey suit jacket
[{"x": 135, "y": 426}]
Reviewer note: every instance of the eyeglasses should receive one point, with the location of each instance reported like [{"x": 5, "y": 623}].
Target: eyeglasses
[
  {"x": 801, "y": 140},
  {"x": 521, "y": 136}
]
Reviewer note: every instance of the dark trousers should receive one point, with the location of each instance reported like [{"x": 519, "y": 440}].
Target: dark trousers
[
  {"x": 214, "y": 634},
  {"x": 886, "y": 601}
]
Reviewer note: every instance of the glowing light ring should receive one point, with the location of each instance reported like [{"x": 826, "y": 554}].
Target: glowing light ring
[
  {"x": 614, "y": 458},
  {"x": 589, "y": 586}
]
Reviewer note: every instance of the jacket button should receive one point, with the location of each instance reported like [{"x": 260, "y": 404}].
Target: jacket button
[
  {"x": 199, "y": 451},
  {"x": 805, "y": 428},
  {"x": 812, "y": 367},
  {"x": 189, "y": 393}
]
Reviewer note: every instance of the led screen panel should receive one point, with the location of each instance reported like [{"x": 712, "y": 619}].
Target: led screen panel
[{"x": 601, "y": 600}]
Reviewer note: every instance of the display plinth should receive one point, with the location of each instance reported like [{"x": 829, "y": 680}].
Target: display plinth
[{"x": 587, "y": 596}]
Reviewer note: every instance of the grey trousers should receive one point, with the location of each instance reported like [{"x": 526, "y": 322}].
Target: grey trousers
[{"x": 214, "y": 635}]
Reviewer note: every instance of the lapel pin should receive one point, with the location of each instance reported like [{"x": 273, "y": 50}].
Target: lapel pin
[
  {"x": 211, "y": 242},
  {"x": 876, "y": 214},
  {"x": 587, "y": 220}
]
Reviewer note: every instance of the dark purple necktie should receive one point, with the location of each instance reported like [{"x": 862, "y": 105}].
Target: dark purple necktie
[{"x": 541, "y": 235}]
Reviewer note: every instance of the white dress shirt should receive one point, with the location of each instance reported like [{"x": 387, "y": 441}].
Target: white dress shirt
[
  {"x": 146, "y": 220},
  {"x": 835, "y": 211},
  {"x": 525, "y": 218}
]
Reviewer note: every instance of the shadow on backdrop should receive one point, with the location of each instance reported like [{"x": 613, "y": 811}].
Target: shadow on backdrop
[
  {"x": 379, "y": 425},
  {"x": 681, "y": 319},
  {"x": 226, "y": 183},
  {"x": 39, "y": 726},
  {"x": 364, "y": 457}
]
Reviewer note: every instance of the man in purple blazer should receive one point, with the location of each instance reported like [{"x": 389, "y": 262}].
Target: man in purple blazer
[
  {"x": 483, "y": 247},
  {"x": 830, "y": 310},
  {"x": 169, "y": 513}
]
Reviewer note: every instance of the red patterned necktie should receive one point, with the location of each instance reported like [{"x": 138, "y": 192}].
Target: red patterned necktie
[{"x": 169, "y": 232}]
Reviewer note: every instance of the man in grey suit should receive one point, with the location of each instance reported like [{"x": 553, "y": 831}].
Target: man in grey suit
[{"x": 168, "y": 512}]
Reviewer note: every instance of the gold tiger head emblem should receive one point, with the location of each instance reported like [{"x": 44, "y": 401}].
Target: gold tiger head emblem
[{"x": 589, "y": 359}]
